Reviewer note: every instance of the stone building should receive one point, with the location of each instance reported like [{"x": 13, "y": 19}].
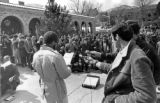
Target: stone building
[{"x": 15, "y": 18}]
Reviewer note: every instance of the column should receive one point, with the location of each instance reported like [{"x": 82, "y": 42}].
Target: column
[
  {"x": 93, "y": 28},
  {"x": 80, "y": 29},
  {"x": 26, "y": 29}
]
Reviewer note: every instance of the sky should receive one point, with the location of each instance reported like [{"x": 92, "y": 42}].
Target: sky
[{"x": 106, "y": 4}]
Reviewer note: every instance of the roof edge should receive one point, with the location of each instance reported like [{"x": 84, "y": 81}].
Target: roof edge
[{"x": 34, "y": 8}]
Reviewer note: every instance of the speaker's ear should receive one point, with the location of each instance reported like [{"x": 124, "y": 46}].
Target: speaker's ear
[
  {"x": 114, "y": 36},
  {"x": 117, "y": 37}
]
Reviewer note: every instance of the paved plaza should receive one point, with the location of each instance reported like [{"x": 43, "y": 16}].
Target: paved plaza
[{"x": 29, "y": 90}]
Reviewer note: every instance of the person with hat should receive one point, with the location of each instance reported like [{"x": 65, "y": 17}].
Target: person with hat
[
  {"x": 130, "y": 79},
  {"x": 52, "y": 69}
]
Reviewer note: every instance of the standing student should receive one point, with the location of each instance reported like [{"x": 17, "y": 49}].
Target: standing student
[{"x": 52, "y": 68}]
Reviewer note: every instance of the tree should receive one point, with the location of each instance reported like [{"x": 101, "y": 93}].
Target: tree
[
  {"x": 57, "y": 19},
  {"x": 158, "y": 9},
  {"x": 103, "y": 17},
  {"x": 112, "y": 20},
  {"x": 142, "y": 4},
  {"x": 117, "y": 16},
  {"x": 85, "y": 7}
]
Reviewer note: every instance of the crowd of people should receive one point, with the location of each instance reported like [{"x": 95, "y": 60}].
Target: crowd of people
[
  {"x": 21, "y": 48},
  {"x": 128, "y": 53}
]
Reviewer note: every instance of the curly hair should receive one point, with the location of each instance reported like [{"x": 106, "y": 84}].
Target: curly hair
[{"x": 49, "y": 37}]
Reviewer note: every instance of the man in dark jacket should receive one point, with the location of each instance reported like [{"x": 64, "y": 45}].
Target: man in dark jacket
[
  {"x": 149, "y": 50},
  {"x": 130, "y": 78}
]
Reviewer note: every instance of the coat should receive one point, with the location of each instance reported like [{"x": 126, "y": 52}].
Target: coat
[
  {"x": 152, "y": 54},
  {"x": 9, "y": 76},
  {"x": 131, "y": 81},
  {"x": 52, "y": 68}
]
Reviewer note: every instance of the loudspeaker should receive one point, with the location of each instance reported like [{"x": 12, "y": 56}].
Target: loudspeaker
[{"x": 91, "y": 82}]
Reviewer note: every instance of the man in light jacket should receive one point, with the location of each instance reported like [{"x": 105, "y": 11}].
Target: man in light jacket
[{"x": 52, "y": 68}]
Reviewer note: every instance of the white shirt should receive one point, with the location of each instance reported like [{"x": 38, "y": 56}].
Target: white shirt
[{"x": 119, "y": 57}]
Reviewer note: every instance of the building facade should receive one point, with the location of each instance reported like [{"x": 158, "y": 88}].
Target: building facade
[{"x": 23, "y": 19}]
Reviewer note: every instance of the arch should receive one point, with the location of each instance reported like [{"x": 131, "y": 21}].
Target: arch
[
  {"x": 83, "y": 27},
  {"x": 11, "y": 25},
  {"x": 33, "y": 26},
  {"x": 76, "y": 26},
  {"x": 90, "y": 27}
]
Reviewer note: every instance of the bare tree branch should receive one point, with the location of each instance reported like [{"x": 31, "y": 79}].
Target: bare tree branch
[
  {"x": 142, "y": 4},
  {"x": 85, "y": 7}
]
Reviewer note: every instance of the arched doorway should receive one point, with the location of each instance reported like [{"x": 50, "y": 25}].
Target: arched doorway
[
  {"x": 34, "y": 26},
  {"x": 11, "y": 25},
  {"x": 89, "y": 27},
  {"x": 76, "y": 27},
  {"x": 83, "y": 28}
]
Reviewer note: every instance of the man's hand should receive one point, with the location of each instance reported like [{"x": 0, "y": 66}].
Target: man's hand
[
  {"x": 69, "y": 68},
  {"x": 95, "y": 54},
  {"x": 11, "y": 78},
  {"x": 92, "y": 61}
]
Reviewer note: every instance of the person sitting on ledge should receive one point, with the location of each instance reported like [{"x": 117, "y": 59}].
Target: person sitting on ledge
[{"x": 10, "y": 75}]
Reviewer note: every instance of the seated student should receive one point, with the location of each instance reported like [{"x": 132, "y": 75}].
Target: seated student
[{"x": 10, "y": 75}]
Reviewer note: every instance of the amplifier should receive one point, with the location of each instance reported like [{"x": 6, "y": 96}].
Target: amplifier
[{"x": 91, "y": 81}]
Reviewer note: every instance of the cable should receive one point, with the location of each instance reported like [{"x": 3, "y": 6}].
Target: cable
[
  {"x": 74, "y": 90},
  {"x": 83, "y": 97},
  {"x": 87, "y": 93}
]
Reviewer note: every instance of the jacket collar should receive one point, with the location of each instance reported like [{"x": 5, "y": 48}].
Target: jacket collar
[
  {"x": 125, "y": 53},
  {"x": 44, "y": 47},
  {"x": 131, "y": 46}
]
